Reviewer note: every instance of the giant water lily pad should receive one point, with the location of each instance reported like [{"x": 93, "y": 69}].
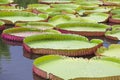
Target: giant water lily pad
[
  {"x": 18, "y": 34},
  {"x": 10, "y": 17},
  {"x": 2, "y": 25},
  {"x": 88, "y": 10},
  {"x": 97, "y": 17},
  {"x": 38, "y": 6},
  {"x": 70, "y": 6},
  {"x": 10, "y": 8},
  {"x": 114, "y": 34},
  {"x": 54, "y": 1},
  {"x": 67, "y": 44},
  {"x": 115, "y": 19},
  {"x": 111, "y": 51},
  {"x": 37, "y": 25},
  {"x": 58, "y": 19},
  {"x": 58, "y": 11},
  {"x": 85, "y": 29},
  {"x": 111, "y": 2},
  {"x": 115, "y": 11},
  {"x": 65, "y": 68}
]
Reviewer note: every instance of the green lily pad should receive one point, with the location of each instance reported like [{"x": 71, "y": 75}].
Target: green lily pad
[
  {"x": 66, "y": 68},
  {"x": 54, "y": 1},
  {"x": 5, "y": 1},
  {"x": 18, "y": 34},
  {"x": 111, "y": 51},
  {"x": 10, "y": 8},
  {"x": 2, "y": 27},
  {"x": 72, "y": 44},
  {"x": 97, "y": 10},
  {"x": 70, "y": 6},
  {"x": 38, "y": 6},
  {"x": 37, "y": 25},
  {"x": 115, "y": 11},
  {"x": 112, "y": 2},
  {"x": 53, "y": 11},
  {"x": 83, "y": 28},
  {"x": 58, "y": 19},
  {"x": 114, "y": 33},
  {"x": 97, "y": 17},
  {"x": 116, "y": 17},
  {"x": 14, "y": 16},
  {"x": 87, "y": 3}
]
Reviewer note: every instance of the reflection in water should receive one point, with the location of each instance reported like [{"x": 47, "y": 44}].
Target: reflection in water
[
  {"x": 24, "y": 3},
  {"x": 14, "y": 43},
  {"x": 31, "y": 55},
  {"x": 4, "y": 51},
  {"x": 36, "y": 77}
]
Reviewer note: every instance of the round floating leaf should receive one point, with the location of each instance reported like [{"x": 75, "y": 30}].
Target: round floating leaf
[
  {"x": 18, "y": 34},
  {"x": 97, "y": 17},
  {"x": 37, "y": 25},
  {"x": 14, "y": 16},
  {"x": 86, "y": 29},
  {"x": 115, "y": 11},
  {"x": 10, "y": 8},
  {"x": 38, "y": 6},
  {"x": 114, "y": 33},
  {"x": 111, "y": 51},
  {"x": 54, "y": 1},
  {"x": 67, "y": 6},
  {"x": 67, "y": 44},
  {"x": 66, "y": 68},
  {"x": 111, "y": 2}
]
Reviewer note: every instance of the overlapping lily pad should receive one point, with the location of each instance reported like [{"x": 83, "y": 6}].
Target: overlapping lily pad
[
  {"x": 115, "y": 11},
  {"x": 111, "y": 51},
  {"x": 97, "y": 17},
  {"x": 115, "y": 19},
  {"x": 38, "y": 6},
  {"x": 65, "y": 68},
  {"x": 10, "y": 17},
  {"x": 63, "y": 44},
  {"x": 54, "y": 1},
  {"x": 67, "y": 6},
  {"x": 37, "y": 25},
  {"x": 2, "y": 27},
  {"x": 111, "y": 2},
  {"x": 113, "y": 34},
  {"x": 18, "y": 34},
  {"x": 10, "y": 8},
  {"x": 88, "y": 10},
  {"x": 85, "y": 29}
]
